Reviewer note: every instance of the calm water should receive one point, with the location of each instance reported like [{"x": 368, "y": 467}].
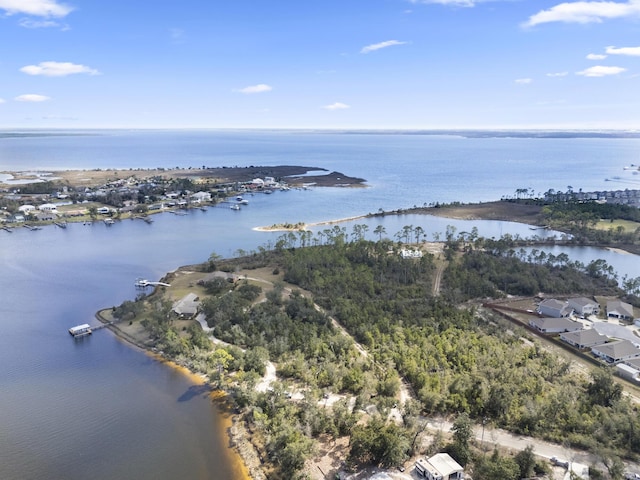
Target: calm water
[{"x": 96, "y": 408}]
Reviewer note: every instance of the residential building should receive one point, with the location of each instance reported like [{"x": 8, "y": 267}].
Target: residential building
[
  {"x": 627, "y": 372},
  {"x": 615, "y": 352},
  {"x": 187, "y": 306},
  {"x": 554, "y": 325},
  {"x": 619, "y": 309},
  {"x": 439, "y": 467},
  {"x": 554, "y": 308},
  {"x": 584, "y": 306},
  {"x": 48, "y": 207},
  {"x": 584, "y": 338}
]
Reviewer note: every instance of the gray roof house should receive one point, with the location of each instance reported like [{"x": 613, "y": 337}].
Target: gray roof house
[
  {"x": 619, "y": 309},
  {"x": 583, "y": 338},
  {"x": 615, "y": 352},
  {"x": 584, "y": 306},
  {"x": 187, "y": 306},
  {"x": 554, "y": 325},
  {"x": 554, "y": 308}
]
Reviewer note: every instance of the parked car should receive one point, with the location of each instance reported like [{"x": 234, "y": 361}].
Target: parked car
[{"x": 559, "y": 462}]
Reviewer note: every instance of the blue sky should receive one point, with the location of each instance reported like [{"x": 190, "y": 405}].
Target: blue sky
[{"x": 401, "y": 64}]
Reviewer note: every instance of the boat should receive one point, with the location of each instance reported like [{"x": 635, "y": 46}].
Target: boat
[
  {"x": 80, "y": 330},
  {"x": 235, "y": 207},
  {"x": 109, "y": 221}
]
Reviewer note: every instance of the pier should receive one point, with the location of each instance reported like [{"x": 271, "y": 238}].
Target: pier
[
  {"x": 86, "y": 329},
  {"x": 143, "y": 283}
]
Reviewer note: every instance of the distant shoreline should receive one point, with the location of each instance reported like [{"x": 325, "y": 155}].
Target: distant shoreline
[{"x": 496, "y": 210}]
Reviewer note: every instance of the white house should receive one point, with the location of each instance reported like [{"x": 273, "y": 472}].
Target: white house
[
  {"x": 48, "y": 207},
  {"x": 103, "y": 210},
  {"x": 406, "y": 253},
  {"x": 439, "y": 467},
  {"x": 619, "y": 309},
  {"x": 627, "y": 372},
  {"x": 200, "y": 197},
  {"x": 26, "y": 208},
  {"x": 583, "y": 338},
  {"x": 554, "y": 308},
  {"x": 615, "y": 352},
  {"x": 554, "y": 325},
  {"x": 584, "y": 306}
]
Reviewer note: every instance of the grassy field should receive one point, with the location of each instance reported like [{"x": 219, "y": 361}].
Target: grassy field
[{"x": 627, "y": 225}]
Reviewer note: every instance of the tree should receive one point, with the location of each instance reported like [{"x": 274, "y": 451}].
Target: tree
[
  {"x": 379, "y": 230},
  {"x": 526, "y": 460},
  {"x": 462, "y": 432},
  {"x": 603, "y": 389}
]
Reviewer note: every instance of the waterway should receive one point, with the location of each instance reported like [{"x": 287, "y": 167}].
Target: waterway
[{"x": 97, "y": 408}]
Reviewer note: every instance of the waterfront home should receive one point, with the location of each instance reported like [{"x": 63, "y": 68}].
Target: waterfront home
[
  {"x": 200, "y": 197},
  {"x": 103, "y": 210},
  {"x": 554, "y": 308},
  {"x": 583, "y": 338},
  {"x": 26, "y": 209},
  {"x": 46, "y": 216},
  {"x": 615, "y": 352},
  {"x": 15, "y": 218},
  {"x": 48, "y": 207},
  {"x": 187, "y": 306},
  {"x": 441, "y": 466},
  {"x": 619, "y": 309},
  {"x": 583, "y": 306},
  {"x": 554, "y": 325}
]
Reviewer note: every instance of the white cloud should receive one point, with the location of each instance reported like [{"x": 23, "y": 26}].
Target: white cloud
[
  {"x": 2, "y": 100},
  {"x": 31, "y": 97},
  {"x": 558, "y": 74},
  {"x": 523, "y": 81},
  {"x": 260, "y": 88},
  {"x": 585, "y": 12},
  {"x": 336, "y": 106},
  {"x": 632, "y": 51},
  {"x": 39, "y": 8},
  {"x": 596, "y": 56},
  {"x": 601, "y": 71},
  {"x": 378, "y": 46},
  {"x": 31, "y": 23},
  {"x": 57, "y": 69}
]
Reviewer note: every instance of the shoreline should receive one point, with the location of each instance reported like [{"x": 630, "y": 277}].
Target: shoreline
[{"x": 231, "y": 433}]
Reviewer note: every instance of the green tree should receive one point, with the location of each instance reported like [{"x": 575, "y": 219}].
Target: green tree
[{"x": 526, "y": 461}]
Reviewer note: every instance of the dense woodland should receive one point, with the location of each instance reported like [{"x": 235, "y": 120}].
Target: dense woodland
[{"x": 456, "y": 358}]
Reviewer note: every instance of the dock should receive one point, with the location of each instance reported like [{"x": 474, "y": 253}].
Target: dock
[
  {"x": 143, "y": 283},
  {"x": 86, "y": 329}
]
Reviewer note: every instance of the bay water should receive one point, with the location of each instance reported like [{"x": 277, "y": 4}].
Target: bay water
[{"x": 97, "y": 408}]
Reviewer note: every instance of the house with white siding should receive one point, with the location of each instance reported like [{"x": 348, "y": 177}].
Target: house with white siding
[
  {"x": 584, "y": 338},
  {"x": 554, "y": 325},
  {"x": 584, "y": 306},
  {"x": 441, "y": 466},
  {"x": 615, "y": 352},
  {"x": 619, "y": 309}
]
